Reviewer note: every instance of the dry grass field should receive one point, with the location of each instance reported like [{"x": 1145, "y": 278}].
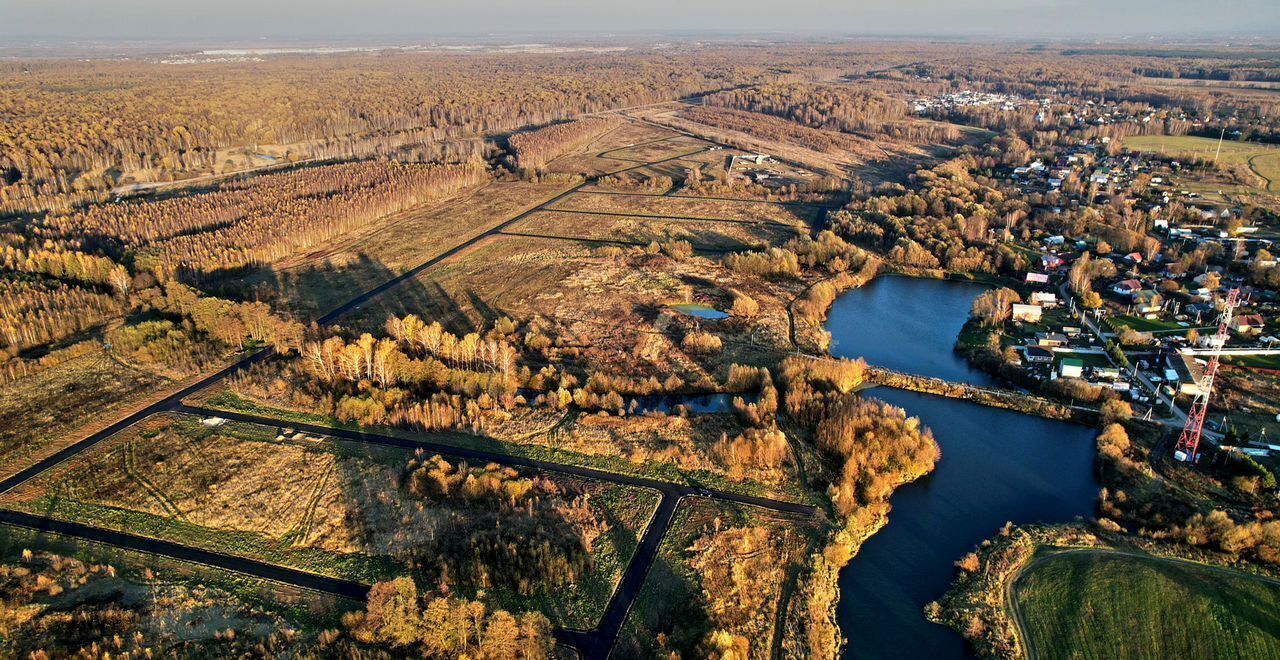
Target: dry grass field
[
  {"x": 603, "y": 306},
  {"x": 343, "y": 509},
  {"x": 724, "y": 569},
  {"x": 610, "y": 152},
  {"x": 688, "y": 207},
  {"x": 701, "y": 234},
  {"x": 46, "y": 411},
  {"x": 310, "y": 284},
  {"x": 654, "y": 150},
  {"x": 685, "y": 441}
]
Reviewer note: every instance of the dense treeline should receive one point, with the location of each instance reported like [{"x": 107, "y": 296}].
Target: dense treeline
[
  {"x": 525, "y": 533},
  {"x": 838, "y": 108},
  {"x": 259, "y": 220},
  {"x": 132, "y": 616},
  {"x": 868, "y": 448},
  {"x": 878, "y": 447},
  {"x": 948, "y": 219},
  {"x": 35, "y": 312},
  {"x": 418, "y": 375},
  {"x": 442, "y": 626},
  {"x": 73, "y": 127},
  {"x": 773, "y": 128},
  {"x": 535, "y": 148},
  {"x": 1137, "y": 497}
]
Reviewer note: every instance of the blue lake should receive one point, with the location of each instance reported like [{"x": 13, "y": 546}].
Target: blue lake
[{"x": 996, "y": 466}]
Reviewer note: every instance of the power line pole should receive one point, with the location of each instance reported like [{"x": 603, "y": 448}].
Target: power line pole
[{"x": 1219, "y": 152}]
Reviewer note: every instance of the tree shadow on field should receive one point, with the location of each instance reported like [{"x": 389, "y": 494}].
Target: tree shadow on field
[
  {"x": 528, "y": 555},
  {"x": 310, "y": 291},
  {"x": 668, "y": 604},
  {"x": 1233, "y": 597}
]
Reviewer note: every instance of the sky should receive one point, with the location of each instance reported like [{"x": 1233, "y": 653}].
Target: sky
[{"x": 166, "y": 20}]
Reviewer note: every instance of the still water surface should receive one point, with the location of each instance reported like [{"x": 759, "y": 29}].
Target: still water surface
[{"x": 996, "y": 466}]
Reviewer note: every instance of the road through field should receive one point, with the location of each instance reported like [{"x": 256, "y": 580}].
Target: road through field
[{"x": 592, "y": 644}]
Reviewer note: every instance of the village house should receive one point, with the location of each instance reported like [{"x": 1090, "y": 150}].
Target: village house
[
  {"x": 1147, "y": 302},
  {"x": 1038, "y": 355},
  {"x": 1188, "y": 371},
  {"x": 1050, "y": 262},
  {"x": 1071, "y": 368},
  {"x": 1044, "y": 299},
  {"x": 1027, "y": 313},
  {"x": 1247, "y": 324},
  {"x": 1051, "y": 339},
  {"x": 1127, "y": 287}
]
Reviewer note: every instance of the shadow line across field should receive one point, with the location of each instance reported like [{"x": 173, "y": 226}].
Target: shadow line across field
[{"x": 593, "y": 644}]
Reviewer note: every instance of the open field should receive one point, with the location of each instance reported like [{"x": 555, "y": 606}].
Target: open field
[
  {"x": 721, "y": 567},
  {"x": 650, "y": 151},
  {"x": 687, "y": 207},
  {"x": 310, "y": 284},
  {"x": 1258, "y": 361},
  {"x": 353, "y": 511},
  {"x": 1102, "y": 605},
  {"x": 1263, "y": 159},
  {"x": 600, "y": 305},
  {"x": 819, "y": 162},
  {"x": 43, "y": 412},
  {"x": 640, "y": 449},
  {"x": 881, "y": 160},
  {"x": 699, "y": 233},
  {"x": 611, "y": 151},
  {"x": 1157, "y": 327}
]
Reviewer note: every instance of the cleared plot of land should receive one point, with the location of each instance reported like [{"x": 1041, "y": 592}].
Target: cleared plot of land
[
  {"x": 605, "y": 306},
  {"x": 699, "y": 233},
  {"x": 1251, "y": 399},
  {"x": 1263, "y": 159},
  {"x": 1102, "y": 605},
  {"x": 648, "y": 152},
  {"x": 41, "y": 413},
  {"x": 686, "y": 207},
  {"x": 1154, "y": 326},
  {"x": 143, "y": 605},
  {"x": 355, "y": 511},
  {"x": 723, "y": 568},
  {"x": 610, "y": 151},
  {"x": 310, "y": 284}
]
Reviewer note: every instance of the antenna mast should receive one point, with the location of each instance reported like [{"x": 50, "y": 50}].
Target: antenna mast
[{"x": 1189, "y": 441}]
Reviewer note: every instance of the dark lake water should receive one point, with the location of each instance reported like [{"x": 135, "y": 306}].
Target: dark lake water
[
  {"x": 906, "y": 324},
  {"x": 996, "y": 466}
]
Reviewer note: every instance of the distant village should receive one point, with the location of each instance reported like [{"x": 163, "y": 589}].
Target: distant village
[{"x": 1148, "y": 324}]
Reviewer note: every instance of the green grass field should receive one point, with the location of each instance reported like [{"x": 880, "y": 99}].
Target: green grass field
[
  {"x": 1098, "y": 605},
  {"x": 1264, "y": 160},
  {"x": 1155, "y": 326},
  {"x": 1259, "y": 361}
]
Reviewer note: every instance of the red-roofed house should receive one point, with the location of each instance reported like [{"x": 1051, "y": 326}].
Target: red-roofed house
[
  {"x": 1127, "y": 287},
  {"x": 1247, "y": 324}
]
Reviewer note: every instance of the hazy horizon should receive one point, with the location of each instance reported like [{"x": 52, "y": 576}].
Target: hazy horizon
[{"x": 157, "y": 20}]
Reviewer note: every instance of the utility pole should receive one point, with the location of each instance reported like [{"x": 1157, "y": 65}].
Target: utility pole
[{"x": 1219, "y": 152}]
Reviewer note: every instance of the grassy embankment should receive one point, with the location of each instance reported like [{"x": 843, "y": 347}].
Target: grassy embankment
[
  {"x": 1263, "y": 160},
  {"x": 1102, "y": 605}
]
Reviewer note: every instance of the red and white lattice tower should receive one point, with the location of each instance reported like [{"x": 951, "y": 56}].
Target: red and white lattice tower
[{"x": 1189, "y": 441}]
